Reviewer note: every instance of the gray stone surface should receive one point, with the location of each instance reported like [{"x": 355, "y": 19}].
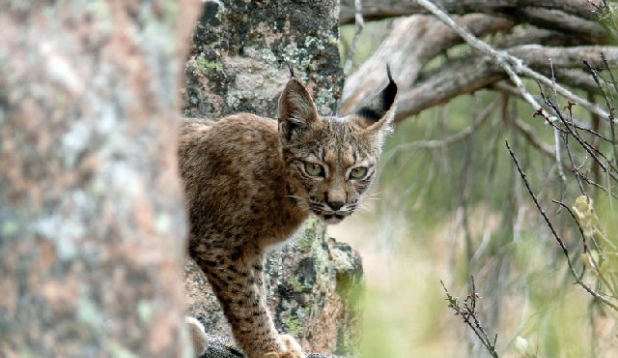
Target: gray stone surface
[{"x": 241, "y": 51}]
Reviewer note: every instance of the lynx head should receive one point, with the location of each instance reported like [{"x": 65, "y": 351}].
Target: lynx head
[{"x": 331, "y": 161}]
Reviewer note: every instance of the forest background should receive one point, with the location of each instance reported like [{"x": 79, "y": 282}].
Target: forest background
[{"x": 464, "y": 262}]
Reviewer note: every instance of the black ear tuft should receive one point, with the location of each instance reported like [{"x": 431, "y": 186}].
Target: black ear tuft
[
  {"x": 388, "y": 73},
  {"x": 380, "y": 104}
]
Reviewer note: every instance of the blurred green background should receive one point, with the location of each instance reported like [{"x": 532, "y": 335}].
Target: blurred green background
[{"x": 448, "y": 212}]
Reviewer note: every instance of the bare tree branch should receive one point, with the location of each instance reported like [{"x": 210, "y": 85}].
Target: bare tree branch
[
  {"x": 513, "y": 66},
  {"x": 410, "y": 45},
  {"x": 466, "y": 75},
  {"x": 468, "y": 313},
  {"x": 378, "y": 9},
  {"x": 558, "y": 20}
]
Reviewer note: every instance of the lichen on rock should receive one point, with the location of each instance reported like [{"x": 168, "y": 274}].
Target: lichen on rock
[{"x": 241, "y": 52}]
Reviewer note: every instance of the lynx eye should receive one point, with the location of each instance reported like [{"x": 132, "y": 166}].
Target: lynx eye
[
  {"x": 314, "y": 169},
  {"x": 358, "y": 173}
]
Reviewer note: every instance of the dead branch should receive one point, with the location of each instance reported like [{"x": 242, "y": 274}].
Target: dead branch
[
  {"x": 377, "y": 9},
  {"x": 558, "y": 20},
  {"x": 466, "y": 75},
  {"x": 513, "y": 66},
  {"x": 416, "y": 40},
  {"x": 410, "y": 45}
]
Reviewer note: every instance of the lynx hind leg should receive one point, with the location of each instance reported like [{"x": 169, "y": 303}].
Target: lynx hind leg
[
  {"x": 291, "y": 346},
  {"x": 199, "y": 341}
]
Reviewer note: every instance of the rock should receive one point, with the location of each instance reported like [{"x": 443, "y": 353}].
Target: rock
[
  {"x": 239, "y": 63},
  {"x": 242, "y": 49},
  {"x": 221, "y": 348}
]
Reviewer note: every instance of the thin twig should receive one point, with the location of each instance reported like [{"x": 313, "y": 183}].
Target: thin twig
[
  {"x": 579, "y": 227},
  {"x": 609, "y": 168},
  {"x": 469, "y": 315},
  {"x": 556, "y": 236},
  {"x": 573, "y": 166},
  {"x": 593, "y": 183},
  {"x": 596, "y": 264},
  {"x": 610, "y": 105}
]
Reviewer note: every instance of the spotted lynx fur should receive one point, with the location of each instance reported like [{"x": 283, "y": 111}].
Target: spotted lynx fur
[{"x": 250, "y": 183}]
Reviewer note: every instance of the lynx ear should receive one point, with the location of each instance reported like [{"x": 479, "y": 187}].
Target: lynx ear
[
  {"x": 377, "y": 115},
  {"x": 296, "y": 108}
]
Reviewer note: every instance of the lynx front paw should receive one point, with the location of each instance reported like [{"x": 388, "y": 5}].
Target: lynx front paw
[
  {"x": 199, "y": 341},
  {"x": 290, "y": 343},
  {"x": 291, "y": 349}
]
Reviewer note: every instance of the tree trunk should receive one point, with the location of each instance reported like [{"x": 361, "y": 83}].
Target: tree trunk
[{"x": 91, "y": 220}]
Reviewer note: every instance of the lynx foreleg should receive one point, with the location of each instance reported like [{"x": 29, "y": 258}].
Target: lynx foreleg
[{"x": 238, "y": 286}]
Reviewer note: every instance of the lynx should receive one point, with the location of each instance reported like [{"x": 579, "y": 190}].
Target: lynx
[{"x": 250, "y": 183}]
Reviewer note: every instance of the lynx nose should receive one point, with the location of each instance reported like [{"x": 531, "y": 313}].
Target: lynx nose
[{"x": 336, "y": 205}]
